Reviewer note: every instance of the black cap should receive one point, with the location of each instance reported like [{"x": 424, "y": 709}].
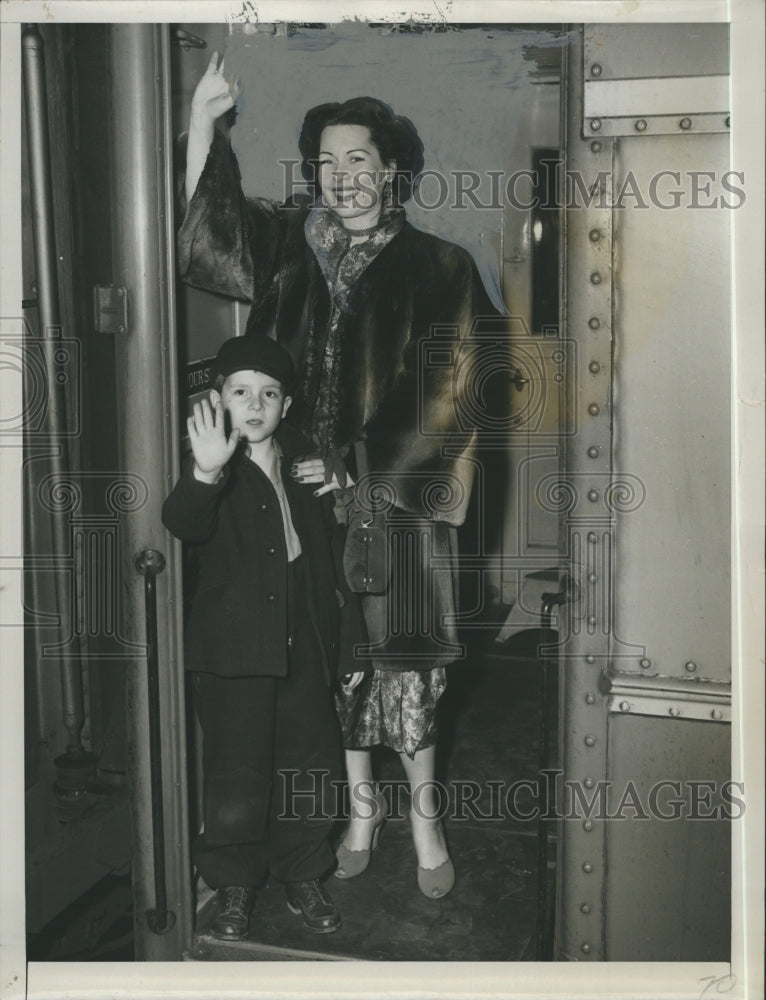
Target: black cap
[{"x": 253, "y": 353}]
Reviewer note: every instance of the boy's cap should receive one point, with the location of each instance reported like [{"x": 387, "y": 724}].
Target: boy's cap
[{"x": 253, "y": 353}]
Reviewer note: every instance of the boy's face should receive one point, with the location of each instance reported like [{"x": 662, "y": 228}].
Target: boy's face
[{"x": 255, "y": 403}]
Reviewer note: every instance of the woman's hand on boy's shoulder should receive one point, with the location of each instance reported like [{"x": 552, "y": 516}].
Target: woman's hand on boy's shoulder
[
  {"x": 210, "y": 446},
  {"x": 314, "y": 470}
]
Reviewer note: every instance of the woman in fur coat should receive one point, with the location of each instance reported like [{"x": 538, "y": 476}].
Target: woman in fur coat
[{"x": 378, "y": 317}]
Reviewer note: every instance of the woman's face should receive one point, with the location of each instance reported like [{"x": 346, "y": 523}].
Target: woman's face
[{"x": 352, "y": 175}]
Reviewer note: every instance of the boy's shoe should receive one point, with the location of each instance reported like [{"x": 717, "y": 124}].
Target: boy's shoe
[
  {"x": 311, "y": 899},
  {"x": 234, "y": 905}
]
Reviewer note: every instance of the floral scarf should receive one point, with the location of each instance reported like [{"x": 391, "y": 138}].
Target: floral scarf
[{"x": 342, "y": 266}]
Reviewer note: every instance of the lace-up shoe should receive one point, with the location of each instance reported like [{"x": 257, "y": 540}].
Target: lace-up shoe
[
  {"x": 312, "y": 900},
  {"x": 231, "y": 920}
]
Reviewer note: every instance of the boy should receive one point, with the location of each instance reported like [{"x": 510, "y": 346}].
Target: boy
[{"x": 261, "y": 642}]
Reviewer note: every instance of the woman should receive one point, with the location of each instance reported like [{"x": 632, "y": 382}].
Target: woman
[{"x": 377, "y": 316}]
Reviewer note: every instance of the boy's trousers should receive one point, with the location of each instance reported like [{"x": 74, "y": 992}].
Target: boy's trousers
[{"x": 256, "y": 733}]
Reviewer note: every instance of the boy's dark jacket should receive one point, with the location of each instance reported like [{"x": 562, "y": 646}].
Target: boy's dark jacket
[{"x": 237, "y": 626}]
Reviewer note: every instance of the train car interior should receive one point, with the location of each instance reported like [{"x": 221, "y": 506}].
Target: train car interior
[{"x": 586, "y": 725}]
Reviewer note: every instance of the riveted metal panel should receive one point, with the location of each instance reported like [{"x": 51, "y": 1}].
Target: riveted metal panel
[
  {"x": 671, "y": 391},
  {"x": 668, "y": 894},
  {"x": 651, "y": 79},
  {"x": 587, "y": 522},
  {"x": 638, "y": 51},
  {"x": 677, "y": 698},
  {"x": 645, "y": 521}
]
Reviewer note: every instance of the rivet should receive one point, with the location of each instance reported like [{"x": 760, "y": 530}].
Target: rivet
[
  {"x": 595, "y": 278},
  {"x": 595, "y": 70},
  {"x": 588, "y": 825},
  {"x": 120, "y": 292},
  {"x": 716, "y": 714},
  {"x": 589, "y": 782},
  {"x": 590, "y": 741},
  {"x": 593, "y": 495},
  {"x": 595, "y": 146},
  {"x": 691, "y": 666},
  {"x": 585, "y": 948},
  {"x": 624, "y": 706},
  {"x": 645, "y": 663},
  {"x": 558, "y": 377},
  {"x": 592, "y": 536},
  {"x": 674, "y": 711},
  {"x": 558, "y": 357},
  {"x": 594, "y": 409},
  {"x": 121, "y": 329},
  {"x": 594, "y": 235},
  {"x": 685, "y": 123},
  {"x": 593, "y": 452},
  {"x": 593, "y": 578},
  {"x": 584, "y": 908},
  {"x": 594, "y": 367},
  {"x": 587, "y": 867},
  {"x": 590, "y": 658},
  {"x": 728, "y": 121},
  {"x": 641, "y": 125},
  {"x": 595, "y": 124},
  {"x": 594, "y": 322},
  {"x": 590, "y": 699},
  {"x": 593, "y": 621}
]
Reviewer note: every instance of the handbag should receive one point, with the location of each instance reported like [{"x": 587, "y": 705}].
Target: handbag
[{"x": 366, "y": 561}]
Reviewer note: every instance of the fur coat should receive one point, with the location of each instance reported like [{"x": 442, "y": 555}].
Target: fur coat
[{"x": 407, "y": 379}]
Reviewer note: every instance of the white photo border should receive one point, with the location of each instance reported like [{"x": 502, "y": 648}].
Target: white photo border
[{"x": 81, "y": 981}]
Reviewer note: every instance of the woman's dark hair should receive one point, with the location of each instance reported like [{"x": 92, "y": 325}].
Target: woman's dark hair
[{"x": 394, "y": 137}]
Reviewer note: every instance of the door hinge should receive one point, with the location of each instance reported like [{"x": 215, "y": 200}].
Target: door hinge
[{"x": 110, "y": 309}]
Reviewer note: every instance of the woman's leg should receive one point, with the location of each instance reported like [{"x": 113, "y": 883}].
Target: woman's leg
[
  {"x": 427, "y": 807},
  {"x": 361, "y": 787}
]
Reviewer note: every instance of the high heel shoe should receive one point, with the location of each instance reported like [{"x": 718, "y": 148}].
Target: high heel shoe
[
  {"x": 437, "y": 882},
  {"x": 353, "y": 863}
]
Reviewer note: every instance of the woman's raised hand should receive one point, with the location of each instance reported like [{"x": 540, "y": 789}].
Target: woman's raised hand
[
  {"x": 208, "y": 440},
  {"x": 213, "y": 96}
]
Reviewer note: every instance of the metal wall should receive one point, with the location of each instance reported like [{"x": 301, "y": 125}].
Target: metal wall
[{"x": 646, "y": 661}]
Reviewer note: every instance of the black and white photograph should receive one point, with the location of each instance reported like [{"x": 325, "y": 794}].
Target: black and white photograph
[{"x": 381, "y": 431}]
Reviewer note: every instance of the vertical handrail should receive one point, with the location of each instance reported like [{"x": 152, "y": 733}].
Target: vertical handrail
[{"x": 150, "y": 563}]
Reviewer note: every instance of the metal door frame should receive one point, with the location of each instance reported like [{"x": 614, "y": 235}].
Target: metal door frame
[{"x": 144, "y": 265}]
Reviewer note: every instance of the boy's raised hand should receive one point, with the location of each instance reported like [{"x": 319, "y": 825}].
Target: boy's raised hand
[
  {"x": 213, "y": 96},
  {"x": 208, "y": 439}
]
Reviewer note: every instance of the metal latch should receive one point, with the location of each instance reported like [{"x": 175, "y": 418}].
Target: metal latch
[{"x": 110, "y": 309}]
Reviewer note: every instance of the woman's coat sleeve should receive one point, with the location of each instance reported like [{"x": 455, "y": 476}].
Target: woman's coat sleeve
[{"x": 227, "y": 243}]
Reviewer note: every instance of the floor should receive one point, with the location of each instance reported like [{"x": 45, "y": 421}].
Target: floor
[{"x": 490, "y": 733}]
